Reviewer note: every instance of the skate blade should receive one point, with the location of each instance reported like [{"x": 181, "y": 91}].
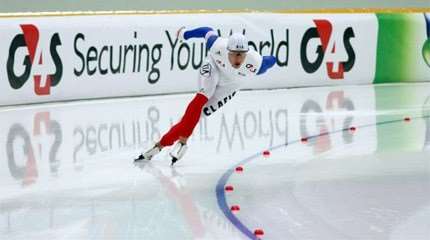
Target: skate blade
[
  {"x": 174, "y": 160},
  {"x": 141, "y": 163},
  {"x": 141, "y": 159}
]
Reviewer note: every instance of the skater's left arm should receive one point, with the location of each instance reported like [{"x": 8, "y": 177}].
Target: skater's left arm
[{"x": 267, "y": 62}]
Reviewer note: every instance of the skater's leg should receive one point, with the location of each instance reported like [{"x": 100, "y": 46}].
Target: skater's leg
[{"x": 184, "y": 128}]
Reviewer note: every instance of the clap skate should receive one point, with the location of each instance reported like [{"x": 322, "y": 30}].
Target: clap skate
[
  {"x": 178, "y": 152},
  {"x": 147, "y": 156}
]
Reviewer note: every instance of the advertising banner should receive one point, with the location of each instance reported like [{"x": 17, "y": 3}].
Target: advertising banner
[
  {"x": 83, "y": 57},
  {"x": 403, "y": 48}
]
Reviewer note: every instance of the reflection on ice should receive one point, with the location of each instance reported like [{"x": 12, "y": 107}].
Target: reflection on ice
[{"x": 66, "y": 169}]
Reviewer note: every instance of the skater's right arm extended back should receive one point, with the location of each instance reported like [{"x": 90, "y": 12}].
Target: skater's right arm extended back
[{"x": 202, "y": 32}]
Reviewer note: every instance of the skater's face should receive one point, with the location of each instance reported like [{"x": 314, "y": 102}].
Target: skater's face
[{"x": 236, "y": 58}]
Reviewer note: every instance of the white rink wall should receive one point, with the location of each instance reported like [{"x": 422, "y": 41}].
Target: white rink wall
[
  {"x": 73, "y": 57},
  {"x": 110, "y": 56}
]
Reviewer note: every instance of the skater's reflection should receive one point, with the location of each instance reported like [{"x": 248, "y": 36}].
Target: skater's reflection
[{"x": 175, "y": 186}]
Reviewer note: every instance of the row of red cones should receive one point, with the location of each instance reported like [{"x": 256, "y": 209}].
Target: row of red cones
[{"x": 236, "y": 208}]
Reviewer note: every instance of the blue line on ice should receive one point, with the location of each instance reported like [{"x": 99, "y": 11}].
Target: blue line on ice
[{"x": 220, "y": 192}]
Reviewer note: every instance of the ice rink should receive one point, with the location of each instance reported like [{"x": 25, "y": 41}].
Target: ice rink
[{"x": 343, "y": 163}]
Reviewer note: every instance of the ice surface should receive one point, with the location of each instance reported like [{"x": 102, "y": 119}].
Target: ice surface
[{"x": 66, "y": 169}]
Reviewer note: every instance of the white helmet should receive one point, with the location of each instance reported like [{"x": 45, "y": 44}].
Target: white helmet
[{"x": 238, "y": 43}]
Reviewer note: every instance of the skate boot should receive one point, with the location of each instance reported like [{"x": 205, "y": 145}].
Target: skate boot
[
  {"x": 148, "y": 154},
  {"x": 178, "y": 152}
]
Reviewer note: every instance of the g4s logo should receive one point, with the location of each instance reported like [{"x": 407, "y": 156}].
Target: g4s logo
[
  {"x": 323, "y": 31},
  {"x": 35, "y": 55}
]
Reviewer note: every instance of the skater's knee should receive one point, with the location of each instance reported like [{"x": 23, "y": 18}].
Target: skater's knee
[
  {"x": 159, "y": 145},
  {"x": 183, "y": 140},
  {"x": 168, "y": 140}
]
